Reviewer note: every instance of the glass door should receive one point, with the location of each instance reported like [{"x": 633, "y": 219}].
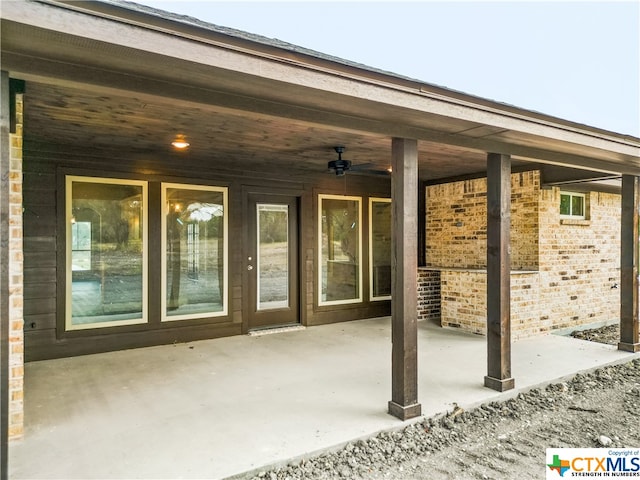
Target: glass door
[{"x": 272, "y": 261}]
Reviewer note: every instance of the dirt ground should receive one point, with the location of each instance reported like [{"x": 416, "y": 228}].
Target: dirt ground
[
  {"x": 509, "y": 443},
  {"x": 505, "y": 440}
]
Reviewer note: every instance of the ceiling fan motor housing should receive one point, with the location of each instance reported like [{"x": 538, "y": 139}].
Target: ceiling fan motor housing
[{"x": 340, "y": 166}]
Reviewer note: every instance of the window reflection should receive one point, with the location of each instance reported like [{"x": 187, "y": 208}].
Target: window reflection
[
  {"x": 340, "y": 245},
  {"x": 194, "y": 268},
  {"x": 106, "y": 253},
  {"x": 380, "y": 248},
  {"x": 273, "y": 256}
]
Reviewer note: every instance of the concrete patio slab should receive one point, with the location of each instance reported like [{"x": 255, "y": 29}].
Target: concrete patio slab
[{"x": 218, "y": 408}]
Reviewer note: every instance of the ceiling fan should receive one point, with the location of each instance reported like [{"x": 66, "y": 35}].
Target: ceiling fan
[{"x": 341, "y": 166}]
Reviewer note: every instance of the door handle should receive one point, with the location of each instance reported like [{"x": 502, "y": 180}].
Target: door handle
[{"x": 249, "y": 267}]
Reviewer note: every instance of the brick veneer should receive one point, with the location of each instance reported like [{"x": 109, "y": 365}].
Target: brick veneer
[
  {"x": 457, "y": 223},
  {"x": 16, "y": 333},
  {"x": 564, "y": 272},
  {"x": 464, "y": 304},
  {"x": 428, "y": 294},
  {"x": 580, "y": 261}
]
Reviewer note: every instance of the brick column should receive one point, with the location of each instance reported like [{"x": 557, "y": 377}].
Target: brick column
[{"x": 16, "y": 322}]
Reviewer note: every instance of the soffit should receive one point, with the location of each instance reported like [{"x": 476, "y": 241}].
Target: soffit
[
  {"x": 142, "y": 126},
  {"x": 145, "y": 125}
]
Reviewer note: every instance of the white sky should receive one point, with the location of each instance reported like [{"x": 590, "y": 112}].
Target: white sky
[{"x": 575, "y": 60}]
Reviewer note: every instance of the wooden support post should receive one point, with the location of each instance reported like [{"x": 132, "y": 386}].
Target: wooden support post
[
  {"x": 4, "y": 270},
  {"x": 498, "y": 273},
  {"x": 404, "y": 284},
  {"x": 629, "y": 298}
]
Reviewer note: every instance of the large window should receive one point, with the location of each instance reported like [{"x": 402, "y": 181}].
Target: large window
[
  {"x": 194, "y": 267},
  {"x": 380, "y": 248},
  {"x": 106, "y": 256},
  {"x": 572, "y": 205},
  {"x": 340, "y": 244}
]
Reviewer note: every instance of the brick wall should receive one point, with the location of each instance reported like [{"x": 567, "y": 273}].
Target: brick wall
[
  {"x": 16, "y": 333},
  {"x": 428, "y": 294},
  {"x": 563, "y": 271},
  {"x": 457, "y": 223},
  {"x": 580, "y": 261},
  {"x": 464, "y": 305}
]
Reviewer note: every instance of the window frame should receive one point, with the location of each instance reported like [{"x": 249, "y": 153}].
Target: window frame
[
  {"x": 360, "y": 297},
  {"x": 373, "y": 298},
  {"x": 571, "y": 216},
  {"x": 68, "y": 216},
  {"x": 164, "y": 318}
]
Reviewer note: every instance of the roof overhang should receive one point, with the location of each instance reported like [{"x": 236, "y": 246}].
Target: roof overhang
[{"x": 111, "y": 49}]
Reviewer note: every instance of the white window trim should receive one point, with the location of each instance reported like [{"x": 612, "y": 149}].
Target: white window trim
[
  {"x": 373, "y": 200},
  {"x": 584, "y": 206},
  {"x": 322, "y": 197},
  {"x": 69, "y": 180},
  {"x": 163, "y": 234}
]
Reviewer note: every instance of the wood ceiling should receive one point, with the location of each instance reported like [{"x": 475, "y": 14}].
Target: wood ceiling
[{"x": 56, "y": 114}]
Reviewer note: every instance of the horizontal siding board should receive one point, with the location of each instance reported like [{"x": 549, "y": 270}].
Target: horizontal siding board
[
  {"x": 38, "y": 225},
  {"x": 40, "y": 259},
  {"x": 39, "y": 290},
  {"x": 43, "y": 344},
  {"x": 39, "y": 274},
  {"x": 39, "y": 197},
  {"x": 36, "y": 342},
  {"x": 41, "y": 321},
  {"x": 46, "y": 243},
  {"x": 335, "y": 315},
  {"x": 39, "y": 306}
]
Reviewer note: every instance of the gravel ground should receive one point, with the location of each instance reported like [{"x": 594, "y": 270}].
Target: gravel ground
[
  {"x": 499, "y": 440},
  {"x": 609, "y": 335}
]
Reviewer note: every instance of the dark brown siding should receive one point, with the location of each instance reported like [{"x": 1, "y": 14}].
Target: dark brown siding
[
  {"x": 39, "y": 197},
  {"x": 44, "y": 170}
]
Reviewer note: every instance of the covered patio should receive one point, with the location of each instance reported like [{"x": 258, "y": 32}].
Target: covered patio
[
  {"x": 223, "y": 407},
  {"x": 93, "y": 93}
]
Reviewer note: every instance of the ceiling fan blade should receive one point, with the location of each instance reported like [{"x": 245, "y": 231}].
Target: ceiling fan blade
[
  {"x": 362, "y": 166},
  {"x": 370, "y": 172}
]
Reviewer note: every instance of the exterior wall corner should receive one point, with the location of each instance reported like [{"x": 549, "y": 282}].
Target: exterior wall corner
[
  {"x": 565, "y": 274},
  {"x": 16, "y": 277}
]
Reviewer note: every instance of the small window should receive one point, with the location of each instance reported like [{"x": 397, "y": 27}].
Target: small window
[{"x": 572, "y": 205}]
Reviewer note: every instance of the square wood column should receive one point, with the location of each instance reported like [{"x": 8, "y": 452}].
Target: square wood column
[
  {"x": 404, "y": 284},
  {"x": 498, "y": 273},
  {"x": 629, "y": 329}
]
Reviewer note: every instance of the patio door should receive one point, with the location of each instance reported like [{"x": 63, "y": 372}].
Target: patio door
[{"x": 272, "y": 261}]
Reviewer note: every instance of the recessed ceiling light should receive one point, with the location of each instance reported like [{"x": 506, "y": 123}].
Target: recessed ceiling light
[{"x": 180, "y": 142}]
